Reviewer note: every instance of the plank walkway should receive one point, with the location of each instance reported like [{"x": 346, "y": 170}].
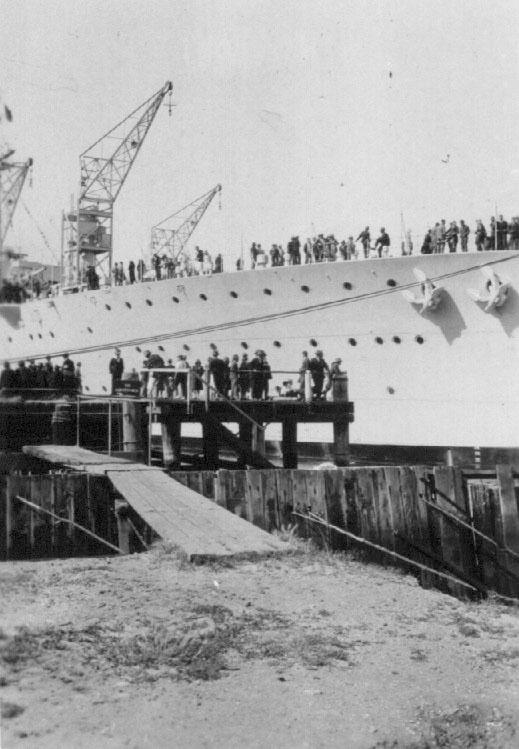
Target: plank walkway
[{"x": 197, "y": 526}]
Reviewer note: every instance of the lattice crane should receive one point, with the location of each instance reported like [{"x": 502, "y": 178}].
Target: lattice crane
[
  {"x": 88, "y": 228},
  {"x": 171, "y": 241},
  {"x": 12, "y": 179}
]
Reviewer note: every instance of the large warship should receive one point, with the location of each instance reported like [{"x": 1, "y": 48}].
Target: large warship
[{"x": 429, "y": 341}]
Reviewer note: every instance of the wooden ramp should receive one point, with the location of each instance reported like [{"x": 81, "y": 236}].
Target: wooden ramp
[{"x": 180, "y": 516}]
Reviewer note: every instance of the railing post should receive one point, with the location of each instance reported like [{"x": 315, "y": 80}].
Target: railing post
[
  {"x": 188, "y": 390},
  {"x": 207, "y": 388},
  {"x": 77, "y": 420},
  {"x": 308, "y": 386},
  {"x": 109, "y": 426}
]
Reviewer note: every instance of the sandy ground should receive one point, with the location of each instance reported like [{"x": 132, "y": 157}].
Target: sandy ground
[{"x": 311, "y": 650}]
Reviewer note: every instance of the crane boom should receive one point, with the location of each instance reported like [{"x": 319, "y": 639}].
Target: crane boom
[
  {"x": 12, "y": 179},
  {"x": 172, "y": 241},
  {"x": 88, "y": 230}
]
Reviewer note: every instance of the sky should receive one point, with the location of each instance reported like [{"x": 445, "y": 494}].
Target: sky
[{"x": 314, "y": 117}]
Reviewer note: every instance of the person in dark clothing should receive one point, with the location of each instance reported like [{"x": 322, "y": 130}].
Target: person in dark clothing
[
  {"x": 464, "y": 236},
  {"x": 255, "y": 376},
  {"x": 451, "y": 236},
  {"x": 480, "y": 236},
  {"x": 197, "y": 379},
  {"x": 218, "y": 370},
  {"x": 244, "y": 376},
  {"x": 48, "y": 368},
  {"x": 427, "y": 243},
  {"x": 22, "y": 376},
  {"x": 68, "y": 372},
  {"x": 131, "y": 271},
  {"x": 40, "y": 377},
  {"x": 156, "y": 265},
  {"x": 266, "y": 373},
  {"x": 491, "y": 238},
  {"x": 383, "y": 242},
  {"x": 365, "y": 240},
  {"x": 116, "y": 368},
  {"x": 159, "y": 378},
  {"x": 502, "y": 231},
  {"x": 318, "y": 368},
  {"x": 32, "y": 370},
  {"x": 218, "y": 263},
  {"x": 514, "y": 233},
  {"x": 56, "y": 379},
  {"x": 234, "y": 373},
  {"x": 227, "y": 387},
  {"x": 7, "y": 379},
  {"x": 141, "y": 268}
]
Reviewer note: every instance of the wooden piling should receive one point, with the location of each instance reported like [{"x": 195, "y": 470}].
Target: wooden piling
[
  {"x": 171, "y": 441},
  {"x": 289, "y": 443}
]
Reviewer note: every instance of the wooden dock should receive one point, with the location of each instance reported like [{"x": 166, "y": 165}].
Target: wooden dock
[{"x": 194, "y": 525}]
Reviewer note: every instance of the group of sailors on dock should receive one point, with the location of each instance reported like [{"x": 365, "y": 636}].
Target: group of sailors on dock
[
  {"x": 31, "y": 379},
  {"x": 233, "y": 378}
]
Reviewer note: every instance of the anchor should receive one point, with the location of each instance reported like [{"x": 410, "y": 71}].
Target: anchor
[
  {"x": 429, "y": 297},
  {"x": 494, "y": 292}
]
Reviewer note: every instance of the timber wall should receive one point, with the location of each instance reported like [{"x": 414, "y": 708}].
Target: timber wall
[{"x": 465, "y": 524}]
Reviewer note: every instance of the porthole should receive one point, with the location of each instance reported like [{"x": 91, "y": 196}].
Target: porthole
[
  {"x": 277, "y": 344},
  {"x": 352, "y": 341},
  {"x": 175, "y": 299},
  {"x": 138, "y": 348},
  {"x": 51, "y": 334},
  {"x": 244, "y": 345},
  {"x": 31, "y": 336},
  {"x": 104, "y": 388},
  {"x": 149, "y": 302},
  {"x": 313, "y": 342},
  {"x": 204, "y": 297},
  {"x": 128, "y": 305},
  {"x": 10, "y": 339},
  {"x": 397, "y": 339},
  {"x": 40, "y": 335},
  {"x": 233, "y": 294},
  {"x": 107, "y": 306},
  {"x": 90, "y": 330},
  {"x": 391, "y": 282},
  {"x": 419, "y": 339},
  {"x": 305, "y": 288},
  {"x": 268, "y": 292},
  {"x": 213, "y": 346},
  {"x": 390, "y": 390},
  {"x": 347, "y": 285},
  {"x": 186, "y": 347},
  {"x": 379, "y": 340},
  {"x": 160, "y": 348},
  {"x": 86, "y": 387}
]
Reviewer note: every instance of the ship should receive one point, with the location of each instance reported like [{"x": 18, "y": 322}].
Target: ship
[{"x": 429, "y": 342}]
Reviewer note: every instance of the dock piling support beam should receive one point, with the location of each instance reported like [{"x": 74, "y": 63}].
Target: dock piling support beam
[
  {"x": 289, "y": 443},
  {"x": 171, "y": 441}
]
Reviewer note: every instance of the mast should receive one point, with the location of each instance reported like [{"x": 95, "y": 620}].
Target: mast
[
  {"x": 88, "y": 228},
  {"x": 12, "y": 180}
]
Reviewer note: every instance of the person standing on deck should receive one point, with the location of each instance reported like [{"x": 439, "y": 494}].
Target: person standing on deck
[
  {"x": 305, "y": 366},
  {"x": 464, "y": 236},
  {"x": 502, "y": 231},
  {"x": 116, "y": 368},
  {"x": 452, "y": 236},
  {"x": 318, "y": 368},
  {"x": 131, "y": 271},
  {"x": 383, "y": 242},
  {"x": 141, "y": 269},
  {"x": 480, "y": 236},
  {"x": 244, "y": 376},
  {"x": 365, "y": 240},
  {"x": 234, "y": 375}
]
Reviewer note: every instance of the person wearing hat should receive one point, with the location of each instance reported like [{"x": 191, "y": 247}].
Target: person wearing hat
[
  {"x": 260, "y": 375},
  {"x": 244, "y": 376},
  {"x": 116, "y": 368},
  {"x": 180, "y": 380},
  {"x": 67, "y": 372},
  {"x": 145, "y": 375},
  {"x": 304, "y": 367},
  {"x": 318, "y": 368}
]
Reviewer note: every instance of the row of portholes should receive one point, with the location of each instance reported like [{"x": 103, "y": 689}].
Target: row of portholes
[
  {"x": 306, "y": 289},
  {"x": 352, "y": 341}
]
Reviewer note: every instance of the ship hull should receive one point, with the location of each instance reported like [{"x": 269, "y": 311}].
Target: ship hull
[{"x": 444, "y": 376}]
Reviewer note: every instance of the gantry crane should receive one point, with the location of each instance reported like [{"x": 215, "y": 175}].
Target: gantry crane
[
  {"x": 171, "y": 241},
  {"x": 88, "y": 229},
  {"x": 12, "y": 179}
]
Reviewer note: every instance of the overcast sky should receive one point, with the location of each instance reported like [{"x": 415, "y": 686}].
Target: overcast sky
[{"x": 314, "y": 117}]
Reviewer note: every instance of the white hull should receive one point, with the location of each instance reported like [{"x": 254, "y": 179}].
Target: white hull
[{"x": 460, "y": 386}]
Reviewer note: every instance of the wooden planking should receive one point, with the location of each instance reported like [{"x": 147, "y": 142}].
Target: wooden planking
[
  {"x": 285, "y": 498},
  {"x": 182, "y": 517}
]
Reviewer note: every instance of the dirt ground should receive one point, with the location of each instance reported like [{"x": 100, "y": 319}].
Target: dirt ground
[{"x": 308, "y": 650}]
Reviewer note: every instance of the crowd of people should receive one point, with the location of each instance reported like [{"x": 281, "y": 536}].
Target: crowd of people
[
  {"x": 235, "y": 377},
  {"x": 18, "y": 289},
  {"x": 500, "y": 235},
  {"x": 31, "y": 378}
]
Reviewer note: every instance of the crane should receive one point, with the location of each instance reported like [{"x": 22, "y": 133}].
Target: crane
[
  {"x": 12, "y": 179},
  {"x": 171, "y": 241},
  {"x": 88, "y": 228}
]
